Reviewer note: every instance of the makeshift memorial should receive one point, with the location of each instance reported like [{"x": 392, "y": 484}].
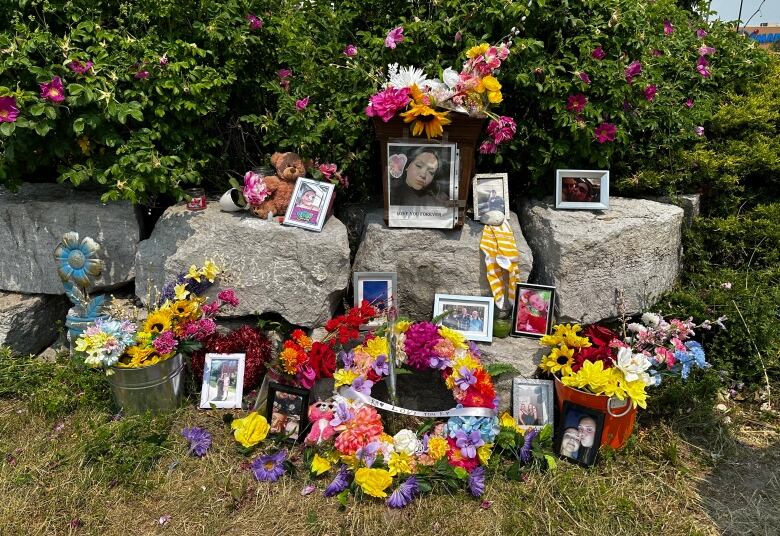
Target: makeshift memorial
[
  {"x": 581, "y": 189},
  {"x": 311, "y": 201},
  {"x": 491, "y": 198},
  {"x": 533, "y": 311},
  {"x": 471, "y": 316},
  {"x": 532, "y": 402},
  {"x": 454, "y": 107},
  {"x": 380, "y": 290},
  {"x": 605, "y": 372},
  {"x": 287, "y": 411},
  {"x": 223, "y": 381},
  {"x": 579, "y": 434},
  {"x": 78, "y": 266}
]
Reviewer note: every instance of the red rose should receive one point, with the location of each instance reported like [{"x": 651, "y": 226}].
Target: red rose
[
  {"x": 599, "y": 335},
  {"x": 322, "y": 359}
]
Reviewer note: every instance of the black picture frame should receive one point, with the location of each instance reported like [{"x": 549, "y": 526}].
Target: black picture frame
[
  {"x": 515, "y": 332},
  {"x": 574, "y": 413},
  {"x": 299, "y": 409}
]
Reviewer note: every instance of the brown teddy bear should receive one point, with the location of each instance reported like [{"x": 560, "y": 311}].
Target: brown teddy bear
[{"x": 288, "y": 166}]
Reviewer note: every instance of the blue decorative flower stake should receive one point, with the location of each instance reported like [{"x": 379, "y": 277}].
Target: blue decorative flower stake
[{"x": 77, "y": 265}]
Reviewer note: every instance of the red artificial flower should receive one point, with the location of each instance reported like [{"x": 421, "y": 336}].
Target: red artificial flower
[
  {"x": 599, "y": 335},
  {"x": 476, "y": 399},
  {"x": 322, "y": 359},
  {"x": 456, "y": 459},
  {"x": 484, "y": 384}
]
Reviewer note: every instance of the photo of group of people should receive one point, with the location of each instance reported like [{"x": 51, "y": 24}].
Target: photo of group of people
[
  {"x": 463, "y": 318},
  {"x": 580, "y": 433},
  {"x": 532, "y": 402},
  {"x": 286, "y": 411},
  {"x": 470, "y": 315},
  {"x": 582, "y": 189}
]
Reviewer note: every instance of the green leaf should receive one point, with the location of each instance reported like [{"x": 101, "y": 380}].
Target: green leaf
[
  {"x": 78, "y": 125},
  {"x": 342, "y": 497},
  {"x": 497, "y": 369},
  {"x": 37, "y": 109},
  {"x": 6, "y": 129},
  {"x": 551, "y": 463},
  {"x": 461, "y": 473},
  {"x": 51, "y": 112},
  {"x": 42, "y": 128}
]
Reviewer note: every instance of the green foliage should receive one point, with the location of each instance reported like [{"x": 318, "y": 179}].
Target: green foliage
[{"x": 217, "y": 106}]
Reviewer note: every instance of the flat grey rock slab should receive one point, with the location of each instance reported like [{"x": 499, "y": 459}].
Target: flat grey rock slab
[{"x": 30, "y": 323}]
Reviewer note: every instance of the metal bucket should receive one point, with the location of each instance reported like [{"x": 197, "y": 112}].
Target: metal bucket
[{"x": 157, "y": 388}]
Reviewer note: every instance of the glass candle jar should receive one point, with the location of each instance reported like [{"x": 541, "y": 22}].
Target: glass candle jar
[{"x": 197, "y": 198}]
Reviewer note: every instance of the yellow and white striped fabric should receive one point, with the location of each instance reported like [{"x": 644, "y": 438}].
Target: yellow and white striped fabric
[{"x": 502, "y": 261}]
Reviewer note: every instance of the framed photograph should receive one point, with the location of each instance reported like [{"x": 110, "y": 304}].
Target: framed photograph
[
  {"x": 533, "y": 312},
  {"x": 309, "y": 204},
  {"x": 582, "y": 189},
  {"x": 378, "y": 289},
  {"x": 287, "y": 411},
  {"x": 422, "y": 184},
  {"x": 470, "y": 315},
  {"x": 490, "y": 192},
  {"x": 532, "y": 402},
  {"x": 579, "y": 433},
  {"x": 223, "y": 381}
]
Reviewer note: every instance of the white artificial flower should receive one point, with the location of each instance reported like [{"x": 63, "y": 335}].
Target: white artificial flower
[
  {"x": 406, "y": 441},
  {"x": 450, "y": 77},
  {"x": 399, "y": 77},
  {"x": 636, "y": 328},
  {"x": 633, "y": 366},
  {"x": 400, "y": 354},
  {"x": 651, "y": 319}
]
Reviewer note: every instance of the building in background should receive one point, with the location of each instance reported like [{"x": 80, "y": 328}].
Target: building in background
[{"x": 765, "y": 34}]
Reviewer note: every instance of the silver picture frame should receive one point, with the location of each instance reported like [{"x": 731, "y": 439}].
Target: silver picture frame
[
  {"x": 591, "y": 185},
  {"x": 537, "y": 393}
]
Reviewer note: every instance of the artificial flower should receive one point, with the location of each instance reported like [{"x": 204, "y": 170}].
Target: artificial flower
[
  {"x": 158, "y": 321},
  {"x": 8, "y": 110},
  {"x": 400, "y": 463},
  {"x": 478, "y": 50},
  {"x": 437, "y": 447},
  {"x": 484, "y": 452},
  {"x": 636, "y": 392},
  {"x": 406, "y": 442},
  {"x": 591, "y": 376},
  {"x": 525, "y": 450},
  {"x": 633, "y": 365},
  {"x": 400, "y": 76},
  {"x": 426, "y": 119},
  {"x": 165, "y": 343},
  {"x": 53, "y": 90},
  {"x": 193, "y": 273},
  {"x": 388, "y": 102},
  {"x": 605, "y": 132},
  {"x": 181, "y": 291},
  {"x": 476, "y": 482},
  {"x": 199, "y": 440},
  {"x": 320, "y": 465},
  {"x": 559, "y": 360},
  {"x": 344, "y": 377},
  {"x": 404, "y": 493},
  {"x": 373, "y": 482},
  {"x": 269, "y": 468},
  {"x": 228, "y": 296},
  {"x": 339, "y": 483},
  {"x": 210, "y": 270},
  {"x": 362, "y": 429},
  {"x": 394, "y": 36},
  {"x": 468, "y": 442},
  {"x": 250, "y": 430}
]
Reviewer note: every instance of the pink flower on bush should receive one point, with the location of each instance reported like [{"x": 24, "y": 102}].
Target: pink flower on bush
[
  {"x": 699, "y": 130},
  {"x": 81, "y": 68},
  {"x": 458, "y": 37},
  {"x": 255, "y": 22},
  {"x": 350, "y": 51},
  {"x": 141, "y": 75},
  {"x": 488, "y": 147},
  {"x": 584, "y": 77},
  {"x": 605, "y": 132},
  {"x": 394, "y": 36},
  {"x": 702, "y": 67},
  {"x": 598, "y": 53},
  {"x": 689, "y": 103},
  {"x": 656, "y": 53},
  {"x": 386, "y": 103},
  {"x": 255, "y": 190},
  {"x": 327, "y": 170},
  {"x": 704, "y": 50},
  {"x": 228, "y": 296},
  {"x": 8, "y": 110},
  {"x": 701, "y": 33},
  {"x": 668, "y": 27},
  {"x": 164, "y": 60},
  {"x": 502, "y": 130},
  {"x": 53, "y": 91},
  {"x": 650, "y": 92},
  {"x": 576, "y": 103},
  {"x": 301, "y": 104},
  {"x": 633, "y": 70},
  {"x": 284, "y": 78},
  {"x": 165, "y": 343}
]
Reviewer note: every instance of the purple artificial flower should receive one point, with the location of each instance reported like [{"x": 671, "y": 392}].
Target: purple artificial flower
[
  {"x": 199, "y": 439},
  {"x": 474, "y": 349},
  {"x": 668, "y": 27},
  {"x": 362, "y": 385},
  {"x": 80, "y": 68},
  {"x": 343, "y": 414},
  {"x": 468, "y": 443},
  {"x": 404, "y": 493},
  {"x": 605, "y": 132},
  {"x": 165, "y": 343},
  {"x": 394, "y": 36},
  {"x": 525, "y": 450},
  {"x": 348, "y": 358},
  {"x": 584, "y": 77},
  {"x": 704, "y": 50},
  {"x": 53, "y": 91},
  {"x": 633, "y": 70},
  {"x": 650, "y": 92},
  {"x": 419, "y": 343},
  {"x": 440, "y": 363},
  {"x": 502, "y": 130},
  {"x": 350, "y": 51},
  {"x": 701, "y": 33},
  {"x": 466, "y": 379},
  {"x": 301, "y": 104},
  {"x": 576, "y": 103},
  {"x": 141, "y": 75},
  {"x": 269, "y": 468},
  {"x": 381, "y": 366},
  {"x": 476, "y": 482},
  {"x": 340, "y": 483},
  {"x": 699, "y": 130},
  {"x": 367, "y": 453},
  {"x": 255, "y": 22},
  {"x": 689, "y": 103},
  {"x": 598, "y": 53},
  {"x": 702, "y": 67},
  {"x": 8, "y": 110}
]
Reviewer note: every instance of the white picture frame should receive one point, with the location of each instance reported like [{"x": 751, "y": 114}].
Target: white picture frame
[
  {"x": 375, "y": 286},
  {"x": 223, "y": 381},
  {"x": 309, "y": 204},
  {"x": 482, "y": 305},
  {"x": 432, "y": 205},
  {"x": 538, "y": 394},
  {"x": 481, "y": 189},
  {"x": 592, "y": 186}
]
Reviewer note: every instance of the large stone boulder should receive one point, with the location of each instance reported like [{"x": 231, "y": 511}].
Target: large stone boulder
[
  {"x": 294, "y": 272},
  {"x": 431, "y": 261},
  {"x": 523, "y": 353},
  {"x": 28, "y": 323},
  {"x": 599, "y": 261},
  {"x": 32, "y": 222}
]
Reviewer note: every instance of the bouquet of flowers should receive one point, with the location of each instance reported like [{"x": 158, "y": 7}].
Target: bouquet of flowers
[
  {"x": 599, "y": 361},
  {"x": 427, "y": 102},
  {"x": 177, "y": 323}
]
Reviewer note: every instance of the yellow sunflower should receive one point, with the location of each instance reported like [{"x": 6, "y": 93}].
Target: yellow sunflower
[
  {"x": 427, "y": 120},
  {"x": 559, "y": 360},
  {"x": 184, "y": 308},
  {"x": 158, "y": 321}
]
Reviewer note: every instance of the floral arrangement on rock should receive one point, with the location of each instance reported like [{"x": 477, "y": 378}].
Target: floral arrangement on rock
[
  {"x": 177, "y": 323},
  {"x": 599, "y": 361},
  {"x": 427, "y": 102}
]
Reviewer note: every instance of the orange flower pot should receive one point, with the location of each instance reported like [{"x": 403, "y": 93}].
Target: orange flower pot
[{"x": 619, "y": 415}]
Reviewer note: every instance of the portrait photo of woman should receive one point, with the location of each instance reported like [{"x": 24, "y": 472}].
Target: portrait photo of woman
[{"x": 421, "y": 183}]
